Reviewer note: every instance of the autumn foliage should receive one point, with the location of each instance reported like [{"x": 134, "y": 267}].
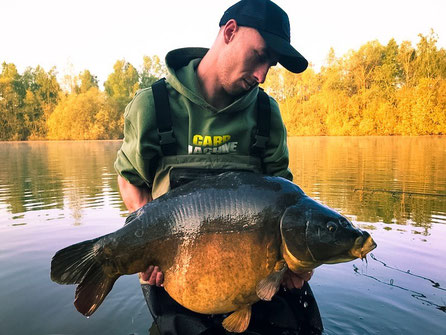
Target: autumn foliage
[
  {"x": 377, "y": 90},
  {"x": 34, "y": 106}
]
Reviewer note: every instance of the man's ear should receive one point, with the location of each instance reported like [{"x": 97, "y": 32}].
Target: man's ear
[{"x": 229, "y": 30}]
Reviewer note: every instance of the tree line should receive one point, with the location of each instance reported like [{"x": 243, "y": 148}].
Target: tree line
[
  {"x": 377, "y": 90},
  {"x": 34, "y": 106}
]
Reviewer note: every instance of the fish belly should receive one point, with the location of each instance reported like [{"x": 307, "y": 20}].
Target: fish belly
[{"x": 217, "y": 273}]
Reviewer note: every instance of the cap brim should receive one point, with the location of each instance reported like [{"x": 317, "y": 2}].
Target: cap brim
[{"x": 289, "y": 57}]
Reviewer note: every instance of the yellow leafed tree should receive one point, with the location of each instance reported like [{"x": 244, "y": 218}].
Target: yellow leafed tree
[{"x": 85, "y": 116}]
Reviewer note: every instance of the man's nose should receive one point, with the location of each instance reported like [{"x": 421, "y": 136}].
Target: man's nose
[{"x": 261, "y": 72}]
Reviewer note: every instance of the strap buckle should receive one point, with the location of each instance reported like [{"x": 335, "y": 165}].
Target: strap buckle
[
  {"x": 260, "y": 141},
  {"x": 166, "y": 137}
]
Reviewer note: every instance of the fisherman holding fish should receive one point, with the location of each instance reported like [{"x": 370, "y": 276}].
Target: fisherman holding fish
[
  {"x": 206, "y": 117},
  {"x": 228, "y": 242}
]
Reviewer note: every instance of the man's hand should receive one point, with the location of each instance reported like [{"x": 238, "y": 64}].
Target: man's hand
[
  {"x": 295, "y": 280},
  {"x": 152, "y": 276}
]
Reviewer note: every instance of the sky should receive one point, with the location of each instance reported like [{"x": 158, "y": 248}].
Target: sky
[{"x": 94, "y": 34}]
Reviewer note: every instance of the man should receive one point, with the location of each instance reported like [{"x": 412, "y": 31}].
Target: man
[{"x": 211, "y": 124}]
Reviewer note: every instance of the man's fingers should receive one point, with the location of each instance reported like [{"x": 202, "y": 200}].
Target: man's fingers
[
  {"x": 286, "y": 280},
  {"x": 159, "y": 279},
  {"x": 152, "y": 276},
  {"x": 297, "y": 282},
  {"x": 306, "y": 275},
  {"x": 146, "y": 274},
  {"x": 288, "y": 283},
  {"x": 152, "y": 279}
]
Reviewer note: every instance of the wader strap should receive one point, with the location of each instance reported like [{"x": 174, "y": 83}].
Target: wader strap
[
  {"x": 263, "y": 124},
  {"x": 163, "y": 118}
]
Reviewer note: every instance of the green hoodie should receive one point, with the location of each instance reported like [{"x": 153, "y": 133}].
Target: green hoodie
[{"x": 206, "y": 137}]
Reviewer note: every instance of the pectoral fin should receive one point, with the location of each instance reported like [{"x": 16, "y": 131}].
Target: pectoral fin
[
  {"x": 238, "y": 321},
  {"x": 269, "y": 286}
]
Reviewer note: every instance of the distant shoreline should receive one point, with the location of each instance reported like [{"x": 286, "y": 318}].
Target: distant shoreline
[
  {"x": 293, "y": 136},
  {"x": 54, "y": 141}
]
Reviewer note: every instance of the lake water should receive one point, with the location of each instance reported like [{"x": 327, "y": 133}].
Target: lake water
[{"x": 53, "y": 194}]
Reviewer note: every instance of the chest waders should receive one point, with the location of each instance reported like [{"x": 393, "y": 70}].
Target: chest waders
[
  {"x": 176, "y": 168},
  {"x": 290, "y": 312}
]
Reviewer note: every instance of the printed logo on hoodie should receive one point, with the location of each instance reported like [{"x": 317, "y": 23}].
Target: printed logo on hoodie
[{"x": 216, "y": 144}]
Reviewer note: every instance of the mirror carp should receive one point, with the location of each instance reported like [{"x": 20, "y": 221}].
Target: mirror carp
[{"x": 223, "y": 243}]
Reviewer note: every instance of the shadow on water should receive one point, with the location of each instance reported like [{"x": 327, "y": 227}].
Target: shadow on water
[
  {"x": 394, "y": 193},
  {"x": 417, "y": 295},
  {"x": 434, "y": 283}
]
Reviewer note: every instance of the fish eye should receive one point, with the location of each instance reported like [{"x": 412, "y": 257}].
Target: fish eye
[{"x": 332, "y": 226}]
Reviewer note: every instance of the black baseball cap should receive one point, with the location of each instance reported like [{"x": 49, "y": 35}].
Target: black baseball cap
[{"x": 273, "y": 24}]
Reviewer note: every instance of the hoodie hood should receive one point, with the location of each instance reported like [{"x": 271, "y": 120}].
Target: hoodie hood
[{"x": 182, "y": 76}]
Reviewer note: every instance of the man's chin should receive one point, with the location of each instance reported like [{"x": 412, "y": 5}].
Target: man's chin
[
  {"x": 241, "y": 90},
  {"x": 236, "y": 91}
]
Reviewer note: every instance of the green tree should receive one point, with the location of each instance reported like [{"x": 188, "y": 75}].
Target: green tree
[
  {"x": 406, "y": 59},
  {"x": 86, "y": 81},
  {"x": 42, "y": 96},
  {"x": 11, "y": 101},
  {"x": 430, "y": 63},
  {"x": 389, "y": 75},
  {"x": 152, "y": 70},
  {"x": 122, "y": 84}
]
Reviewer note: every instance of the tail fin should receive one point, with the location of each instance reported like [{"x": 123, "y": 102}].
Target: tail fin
[{"x": 76, "y": 264}]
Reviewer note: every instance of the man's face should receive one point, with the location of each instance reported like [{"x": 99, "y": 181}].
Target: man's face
[{"x": 245, "y": 62}]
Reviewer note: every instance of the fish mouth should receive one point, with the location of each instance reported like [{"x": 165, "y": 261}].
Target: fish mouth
[{"x": 361, "y": 249}]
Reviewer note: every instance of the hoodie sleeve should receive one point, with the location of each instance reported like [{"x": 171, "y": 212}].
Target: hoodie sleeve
[
  {"x": 276, "y": 155},
  {"x": 138, "y": 157}
]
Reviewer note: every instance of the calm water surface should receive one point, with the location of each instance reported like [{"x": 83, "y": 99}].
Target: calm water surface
[{"x": 53, "y": 194}]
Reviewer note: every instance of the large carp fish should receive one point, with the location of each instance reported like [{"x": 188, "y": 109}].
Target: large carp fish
[{"x": 223, "y": 243}]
